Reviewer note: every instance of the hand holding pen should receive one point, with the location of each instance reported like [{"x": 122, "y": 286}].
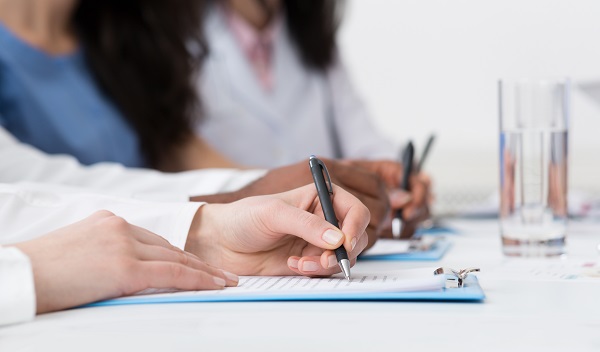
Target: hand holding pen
[
  {"x": 421, "y": 191},
  {"x": 279, "y": 234}
]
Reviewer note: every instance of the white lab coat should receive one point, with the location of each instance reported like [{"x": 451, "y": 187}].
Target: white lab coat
[
  {"x": 28, "y": 211},
  {"x": 306, "y": 113},
  {"x": 21, "y": 162}
]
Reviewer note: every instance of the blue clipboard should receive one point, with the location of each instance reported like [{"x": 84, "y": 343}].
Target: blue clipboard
[
  {"x": 436, "y": 252},
  {"x": 469, "y": 292}
]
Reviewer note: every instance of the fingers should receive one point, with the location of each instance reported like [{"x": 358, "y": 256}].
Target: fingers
[
  {"x": 388, "y": 170},
  {"x": 310, "y": 227},
  {"x": 314, "y": 229},
  {"x": 358, "y": 180},
  {"x": 326, "y": 264},
  {"x": 370, "y": 190},
  {"x": 310, "y": 266},
  {"x": 152, "y": 247},
  {"x": 354, "y": 217},
  {"x": 379, "y": 209},
  {"x": 177, "y": 256},
  {"x": 417, "y": 208},
  {"x": 157, "y": 274},
  {"x": 148, "y": 237}
]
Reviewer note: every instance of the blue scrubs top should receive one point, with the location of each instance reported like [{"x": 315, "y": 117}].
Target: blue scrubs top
[{"x": 54, "y": 104}]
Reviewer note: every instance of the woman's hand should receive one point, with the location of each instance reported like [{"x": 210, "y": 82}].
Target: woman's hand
[
  {"x": 104, "y": 257},
  {"x": 363, "y": 183},
  {"x": 280, "y": 234}
]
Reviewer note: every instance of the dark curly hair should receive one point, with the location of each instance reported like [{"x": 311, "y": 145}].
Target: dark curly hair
[
  {"x": 145, "y": 54},
  {"x": 313, "y": 26}
]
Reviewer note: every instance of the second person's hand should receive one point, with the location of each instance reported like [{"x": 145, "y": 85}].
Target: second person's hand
[{"x": 415, "y": 204}]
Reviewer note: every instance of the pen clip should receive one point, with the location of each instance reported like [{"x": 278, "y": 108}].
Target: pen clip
[
  {"x": 458, "y": 276},
  {"x": 327, "y": 178}
]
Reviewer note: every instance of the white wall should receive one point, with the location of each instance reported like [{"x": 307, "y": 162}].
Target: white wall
[{"x": 433, "y": 65}]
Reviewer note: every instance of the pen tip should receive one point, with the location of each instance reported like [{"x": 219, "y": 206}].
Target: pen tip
[{"x": 345, "y": 266}]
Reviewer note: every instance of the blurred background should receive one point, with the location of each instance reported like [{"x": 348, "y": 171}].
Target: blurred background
[{"x": 433, "y": 66}]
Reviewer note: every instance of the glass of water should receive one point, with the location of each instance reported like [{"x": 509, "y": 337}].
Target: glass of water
[{"x": 534, "y": 129}]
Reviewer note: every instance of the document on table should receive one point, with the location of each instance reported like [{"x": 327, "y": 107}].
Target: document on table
[
  {"x": 427, "y": 247},
  {"x": 413, "y": 284},
  {"x": 385, "y": 247}
]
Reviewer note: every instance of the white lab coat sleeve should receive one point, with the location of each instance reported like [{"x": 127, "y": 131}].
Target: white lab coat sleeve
[
  {"x": 30, "y": 210},
  {"x": 17, "y": 291},
  {"x": 21, "y": 162},
  {"x": 356, "y": 133}
]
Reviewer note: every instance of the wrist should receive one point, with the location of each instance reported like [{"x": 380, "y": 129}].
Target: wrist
[{"x": 203, "y": 237}]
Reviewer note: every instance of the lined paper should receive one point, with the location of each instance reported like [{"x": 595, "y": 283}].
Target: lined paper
[{"x": 252, "y": 288}]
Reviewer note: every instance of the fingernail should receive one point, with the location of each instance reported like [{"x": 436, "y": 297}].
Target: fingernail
[
  {"x": 219, "y": 281},
  {"x": 310, "y": 266},
  {"x": 399, "y": 197},
  {"x": 231, "y": 276},
  {"x": 331, "y": 261},
  {"x": 293, "y": 263},
  {"x": 353, "y": 243},
  {"x": 332, "y": 237}
]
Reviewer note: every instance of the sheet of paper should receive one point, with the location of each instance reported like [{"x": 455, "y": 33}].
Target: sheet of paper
[
  {"x": 407, "y": 280},
  {"x": 386, "y": 246},
  {"x": 279, "y": 287}
]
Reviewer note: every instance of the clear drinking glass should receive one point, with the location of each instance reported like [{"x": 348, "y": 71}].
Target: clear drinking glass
[{"x": 534, "y": 129}]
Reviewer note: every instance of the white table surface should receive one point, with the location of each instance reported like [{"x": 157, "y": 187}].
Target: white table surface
[{"x": 523, "y": 313}]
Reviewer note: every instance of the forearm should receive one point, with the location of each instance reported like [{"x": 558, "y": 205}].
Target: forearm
[{"x": 197, "y": 154}]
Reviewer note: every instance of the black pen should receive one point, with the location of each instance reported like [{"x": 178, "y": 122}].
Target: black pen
[
  {"x": 325, "y": 191},
  {"x": 419, "y": 166},
  {"x": 407, "y": 161}
]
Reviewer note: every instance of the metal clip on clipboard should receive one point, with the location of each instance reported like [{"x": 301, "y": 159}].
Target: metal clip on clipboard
[{"x": 458, "y": 276}]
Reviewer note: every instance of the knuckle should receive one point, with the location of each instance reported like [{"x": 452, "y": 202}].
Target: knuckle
[
  {"x": 183, "y": 258},
  {"x": 116, "y": 236},
  {"x": 176, "y": 271},
  {"x": 116, "y": 224},
  {"x": 127, "y": 274},
  {"x": 103, "y": 213}
]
